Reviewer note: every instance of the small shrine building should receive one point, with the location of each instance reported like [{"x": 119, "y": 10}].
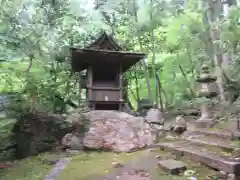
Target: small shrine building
[{"x": 105, "y": 63}]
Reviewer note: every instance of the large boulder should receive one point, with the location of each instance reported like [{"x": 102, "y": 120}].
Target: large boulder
[
  {"x": 117, "y": 131},
  {"x": 113, "y": 130},
  {"x": 38, "y": 132}
]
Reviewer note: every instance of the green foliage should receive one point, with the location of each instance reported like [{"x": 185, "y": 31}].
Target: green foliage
[
  {"x": 6, "y": 141},
  {"x": 35, "y": 36}
]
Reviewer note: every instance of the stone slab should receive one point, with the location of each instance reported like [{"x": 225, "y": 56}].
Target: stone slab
[
  {"x": 172, "y": 166},
  {"x": 213, "y": 133},
  {"x": 208, "y": 123},
  {"x": 236, "y": 135},
  {"x": 209, "y": 159},
  {"x": 216, "y": 142},
  {"x": 72, "y": 152}
]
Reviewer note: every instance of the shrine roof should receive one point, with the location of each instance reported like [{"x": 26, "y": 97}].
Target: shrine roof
[
  {"x": 102, "y": 38},
  {"x": 82, "y": 58},
  {"x": 104, "y": 51}
]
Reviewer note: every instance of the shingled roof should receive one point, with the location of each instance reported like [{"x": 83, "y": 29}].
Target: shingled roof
[
  {"x": 103, "y": 37},
  {"x": 103, "y": 51}
]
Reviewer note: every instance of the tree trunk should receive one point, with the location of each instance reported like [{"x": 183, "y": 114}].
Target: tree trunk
[
  {"x": 143, "y": 63},
  {"x": 136, "y": 83},
  {"x": 160, "y": 94},
  {"x": 186, "y": 78},
  {"x": 153, "y": 54}
]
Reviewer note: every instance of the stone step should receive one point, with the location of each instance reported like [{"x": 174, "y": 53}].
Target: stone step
[
  {"x": 203, "y": 156},
  {"x": 216, "y": 133},
  {"x": 225, "y": 144},
  {"x": 172, "y": 166}
]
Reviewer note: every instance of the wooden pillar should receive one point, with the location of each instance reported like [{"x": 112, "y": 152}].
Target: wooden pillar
[
  {"x": 89, "y": 86},
  {"x": 93, "y": 106},
  {"x": 80, "y": 90},
  {"x": 120, "y": 87}
]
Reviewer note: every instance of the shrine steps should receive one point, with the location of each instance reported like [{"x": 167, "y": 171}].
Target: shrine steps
[
  {"x": 211, "y": 148},
  {"x": 231, "y": 135},
  {"x": 203, "y": 155},
  {"x": 225, "y": 144}
]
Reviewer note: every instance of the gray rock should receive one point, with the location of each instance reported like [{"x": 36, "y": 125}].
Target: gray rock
[
  {"x": 192, "y": 178},
  {"x": 154, "y": 116},
  {"x": 35, "y": 133},
  {"x": 72, "y": 152},
  {"x": 73, "y": 141},
  {"x": 172, "y": 166},
  {"x": 222, "y": 175},
  {"x": 231, "y": 177},
  {"x": 236, "y": 153},
  {"x": 180, "y": 125},
  {"x": 157, "y": 132},
  {"x": 116, "y": 131}
]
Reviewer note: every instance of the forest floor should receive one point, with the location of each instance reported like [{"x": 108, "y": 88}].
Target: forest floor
[
  {"x": 31, "y": 168},
  {"x": 99, "y": 166},
  {"x": 82, "y": 166}
]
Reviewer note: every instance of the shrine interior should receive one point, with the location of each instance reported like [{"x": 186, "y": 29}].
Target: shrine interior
[{"x": 105, "y": 77}]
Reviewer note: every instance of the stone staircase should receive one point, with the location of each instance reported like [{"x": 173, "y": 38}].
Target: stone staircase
[
  {"x": 207, "y": 154},
  {"x": 223, "y": 143},
  {"x": 212, "y": 148}
]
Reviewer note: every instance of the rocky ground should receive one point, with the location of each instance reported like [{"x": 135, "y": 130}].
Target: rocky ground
[{"x": 179, "y": 150}]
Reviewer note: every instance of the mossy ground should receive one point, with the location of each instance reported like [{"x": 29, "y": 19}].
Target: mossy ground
[
  {"x": 32, "y": 168},
  {"x": 88, "y": 166},
  {"x": 92, "y": 165},
  {"x": 197, "y": 170},
  {"x": 82, "y": 167}
]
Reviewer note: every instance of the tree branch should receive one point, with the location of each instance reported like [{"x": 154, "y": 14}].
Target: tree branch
[{"x": 31, "y": 57}]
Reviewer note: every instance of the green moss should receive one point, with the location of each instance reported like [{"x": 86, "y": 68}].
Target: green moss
[
  {"x": 6, "y": 124},
  {"x": 199, "y": 171},
  {"x": 96, "y": 164},
  {"x": 236, "y": 144},
  {"x": 6, "y": 139},
  {"x": 88, "y": 166},
  {"x": 32, "y": 168}
]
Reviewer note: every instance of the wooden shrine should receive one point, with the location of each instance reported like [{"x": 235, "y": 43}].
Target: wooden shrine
[{"x": 105, "y": 63}]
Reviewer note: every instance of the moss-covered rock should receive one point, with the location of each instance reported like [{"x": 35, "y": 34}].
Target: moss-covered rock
[
  {"x": 38, "y": 132},
  {"x": 7, "y": 144}
]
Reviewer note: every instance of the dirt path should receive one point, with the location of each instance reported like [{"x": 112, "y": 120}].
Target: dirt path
[
  {"x": 61, "y": 164},
  {"x": 139, "y": 169}
]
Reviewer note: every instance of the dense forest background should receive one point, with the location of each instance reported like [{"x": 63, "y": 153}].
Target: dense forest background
[{"x": 178, "y": 36}]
